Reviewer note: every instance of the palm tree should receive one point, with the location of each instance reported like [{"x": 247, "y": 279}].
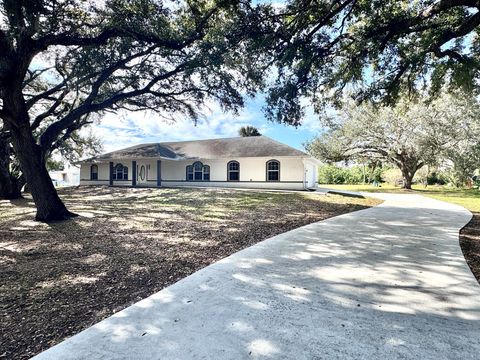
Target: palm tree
[{"x": 246, "y": 131}]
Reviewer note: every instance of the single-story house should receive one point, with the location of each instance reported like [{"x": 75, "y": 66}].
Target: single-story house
[{"x": 240, "y": 162}]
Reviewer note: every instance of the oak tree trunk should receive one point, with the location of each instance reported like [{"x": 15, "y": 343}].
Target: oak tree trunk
[
  {"x": 49, "y": 206},
  {"x": 9, "y": 185},
  {"x": 31, "y": 160},
  {"x": 408, "y": 175}
]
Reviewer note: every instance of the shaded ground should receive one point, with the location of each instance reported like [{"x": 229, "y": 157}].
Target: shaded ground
[
  {"x": 59, "y": 279},
  {"x": 389, "y": 282},
  {"x": 470, "y": 243}
]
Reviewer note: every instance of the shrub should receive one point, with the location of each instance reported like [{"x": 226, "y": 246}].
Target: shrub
[
  {"x": 436, "y": 178},
  {"x": 392, "y": 176},
  {"x": 331, "y": 174}
]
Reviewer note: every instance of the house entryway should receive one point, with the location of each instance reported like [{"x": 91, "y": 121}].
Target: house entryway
[
  {"x": 310, "y": 178},
  {"x": 142, "y": 173}
]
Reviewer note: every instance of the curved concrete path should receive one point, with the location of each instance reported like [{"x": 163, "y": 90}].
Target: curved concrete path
[{"x": 384, "y": 283}]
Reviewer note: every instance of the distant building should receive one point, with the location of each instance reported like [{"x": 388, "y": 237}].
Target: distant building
[{"x": 69, "y": 176}]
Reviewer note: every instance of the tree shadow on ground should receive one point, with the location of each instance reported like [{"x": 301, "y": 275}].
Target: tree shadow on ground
[
  {"x": 387, "y": 283},
  {"x": 59, "y": 278}
]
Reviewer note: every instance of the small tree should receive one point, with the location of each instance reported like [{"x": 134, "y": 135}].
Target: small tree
[
  {"x": 246, "y": 131},
  {"x": 409, "y": 136},
  {"x": 462, "y": 162}
]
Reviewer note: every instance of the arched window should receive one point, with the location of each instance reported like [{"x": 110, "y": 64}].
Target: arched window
[
  {"x": 120, "y": 172},
  {"x": 273, "y": 170},
  {"x": 233, "y": 171},
  {"x": 198, "y": 172},
  {"x": 94, "y": 172}
]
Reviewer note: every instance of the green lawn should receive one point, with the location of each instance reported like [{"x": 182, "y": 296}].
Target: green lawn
[{"x": 468, "y": 198}]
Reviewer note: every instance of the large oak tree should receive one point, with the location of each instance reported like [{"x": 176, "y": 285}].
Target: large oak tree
[
  {"x": 409, "y": 135},
  {"x": 63, "y": 60},
  {"x": 374, "y": 49}
]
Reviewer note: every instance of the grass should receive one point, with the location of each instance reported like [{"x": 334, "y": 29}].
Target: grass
[
  {"x": 468, "y": 198},
  {"x": 58, "y": 279}
]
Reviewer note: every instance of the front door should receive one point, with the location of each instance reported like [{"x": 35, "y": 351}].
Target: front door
[
  {"x": 142, "y": 173},
  {"x": 310, "y": 176}
]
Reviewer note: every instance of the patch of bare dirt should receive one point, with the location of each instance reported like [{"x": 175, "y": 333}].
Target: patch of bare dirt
[
  {"x": 61, "y": 278},
  {"x": 470, "y": 244}
]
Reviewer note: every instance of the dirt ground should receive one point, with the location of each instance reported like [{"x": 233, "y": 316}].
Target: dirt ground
[
  {"x": 470, "y": 243},
  {"x": 58, "y": 279}
]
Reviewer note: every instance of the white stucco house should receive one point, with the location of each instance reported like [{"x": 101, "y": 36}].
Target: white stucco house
[{"x": 240, "y": 162}]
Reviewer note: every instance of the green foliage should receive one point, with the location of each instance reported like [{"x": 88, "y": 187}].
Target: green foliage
[
  {"x": 167, "y": 57},
  {"x": 65, "y": 62},
  {"x": 463, "y": 161},
  {"x": 436, "y": 178},
  {"x": 54, "y": 165},
  {"x": 376, "y": 49},
  {"x": 408, "y": 136},
  {"x": 392, "y": 176},
  {"x": 246, "y": 131},
  {"x": 332, "y": 174}
]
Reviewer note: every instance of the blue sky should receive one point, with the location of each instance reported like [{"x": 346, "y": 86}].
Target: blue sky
[{"x": 126, "y": 129}]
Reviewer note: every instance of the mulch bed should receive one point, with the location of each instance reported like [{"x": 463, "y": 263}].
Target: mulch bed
[
  {"x": 58, "y": 279},
  {"x": 470, "y": 244}
]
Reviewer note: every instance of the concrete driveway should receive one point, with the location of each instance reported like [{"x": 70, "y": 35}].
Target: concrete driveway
[{"x": 384, "y": 283}]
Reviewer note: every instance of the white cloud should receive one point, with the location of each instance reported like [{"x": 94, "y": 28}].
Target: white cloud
[
  {"x": 130, "y": 128},
  {"x": 125, "y": 129}
]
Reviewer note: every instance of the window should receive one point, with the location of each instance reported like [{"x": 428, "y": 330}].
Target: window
[
  {"x": 120, "y": 172},
  {"x": 142, "y": 173},
  {"x": 94, "y": 172},
  {"x": 189, "y": 173},
  {"x": 233, "y": 171},
  {"x": 198, "y": 172},
  {"x": 206, "y": 173},
  {"x": 273, "y": 170}
]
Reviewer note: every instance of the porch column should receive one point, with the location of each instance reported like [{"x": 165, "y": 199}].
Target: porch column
[
  {"x": 111, "y": 174},
  {"x": 159, "y": 173},
  {"x": 134, "y": 173}
]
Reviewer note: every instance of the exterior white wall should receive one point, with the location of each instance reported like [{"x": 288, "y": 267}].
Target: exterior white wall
[
  {"x": 251, "y": 169},
  {"x": 69, "y": 176},
  {"x": 173, "y": 173},
  {"x": 103, "y": 174},
  {"x": 237, "y": 184}
]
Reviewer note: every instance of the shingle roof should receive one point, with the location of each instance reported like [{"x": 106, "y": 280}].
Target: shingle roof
[{"x": 254, "y": 146}]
